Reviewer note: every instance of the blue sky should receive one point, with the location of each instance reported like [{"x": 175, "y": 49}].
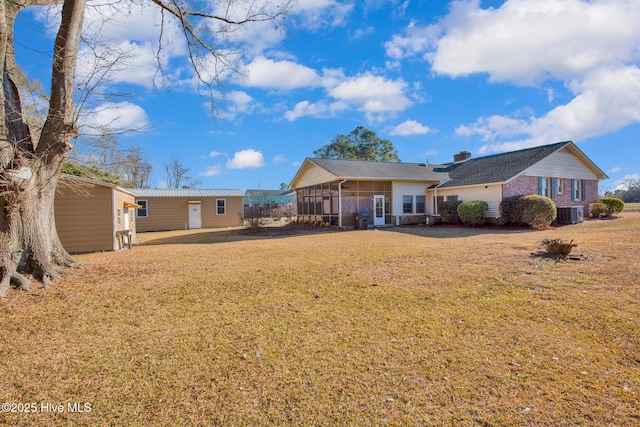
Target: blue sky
[{"x": 434, "y": 77}]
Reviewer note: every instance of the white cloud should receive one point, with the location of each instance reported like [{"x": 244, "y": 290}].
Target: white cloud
[
  {"x": 374, "y": 95},
  {"x": 526, "y": 41},
  {"x": 320, "y": 109},
  {"x": 246, "y": 159},
  {"x": 214, "y": 170},
  {"x": 286, "y": 75},
  {"x": 124, "y": 41},
  {"x": 316, "y": 14},
  {"x": 607, "y": 102},
  {"x": 111, "y": 117},
  {"x": 279, "y": 159},
  {"x": 217, "y": 154},
  {"x": 616, "y": 169},
  {"x": 361, "y": 33},
  {"x": 589, "y": 46},
  {"x": 239, "y": 102},
  {"x": 410, "y": 127}
]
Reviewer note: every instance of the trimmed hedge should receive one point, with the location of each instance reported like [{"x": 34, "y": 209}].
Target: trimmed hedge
[
  {"x": 613, "y": 204},
  {"x": 532, "y": 210},
  {"x": 596, "y": 210},
  {"x": 449, "y": 211},
  {"x": 473, "y": 212}
]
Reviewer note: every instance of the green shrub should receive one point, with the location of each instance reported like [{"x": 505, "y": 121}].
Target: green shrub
[
  {"x": 512, "y": 210},
  {"x": 532, "y": 210},
  {"x": 597, "y": 210},
  {"x": 613, "y": 204},
  {"x": 473, "y": 213},
  {"x": 449, "y": 211}
]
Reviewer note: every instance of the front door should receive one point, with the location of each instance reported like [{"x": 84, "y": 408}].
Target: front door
[
  {"x": 378, "y": 207},
  {"x": 195, "y": 215}
]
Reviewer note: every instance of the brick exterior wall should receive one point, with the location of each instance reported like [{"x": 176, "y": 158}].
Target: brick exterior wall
[
  {"x": 529, "y": 185},
  {"x": 521, "y": 185}
]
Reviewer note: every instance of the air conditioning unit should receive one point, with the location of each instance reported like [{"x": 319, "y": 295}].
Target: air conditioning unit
[{"x": 570, "y": 214}]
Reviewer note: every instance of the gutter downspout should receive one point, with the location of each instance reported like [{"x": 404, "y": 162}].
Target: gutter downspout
[
  {"x": 435, "y": 203},
  {"x": 340, "y": 202}
]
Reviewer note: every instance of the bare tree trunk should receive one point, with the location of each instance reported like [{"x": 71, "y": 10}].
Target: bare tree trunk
[{"x": 29, "y": 242}]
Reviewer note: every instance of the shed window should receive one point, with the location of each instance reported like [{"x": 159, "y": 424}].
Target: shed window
[
  {"x": 119, "y": 212},
  {"x": 143, "y": 210},
  {"x": 221, "y": 206},
  {"x": 407, "y": 204},
  {"x": 421, "y": 204}
]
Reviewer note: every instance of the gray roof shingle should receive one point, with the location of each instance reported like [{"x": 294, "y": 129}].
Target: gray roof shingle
[
  {"x": 359, "y": 169},
  {"x": 497, "y": 168}
]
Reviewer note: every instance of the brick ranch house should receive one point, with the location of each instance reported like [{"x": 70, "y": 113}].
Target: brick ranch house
[{"x": 336, "y": 191}]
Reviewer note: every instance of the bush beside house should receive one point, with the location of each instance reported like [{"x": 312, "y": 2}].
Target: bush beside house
[
  {"x": 473, "y": 212},
  {"x": 449, "y": 211},
  {"x": 532, "y": 210}
]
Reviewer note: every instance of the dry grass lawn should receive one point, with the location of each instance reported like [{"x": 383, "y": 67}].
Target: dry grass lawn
[{"x": 403, "y": 326}]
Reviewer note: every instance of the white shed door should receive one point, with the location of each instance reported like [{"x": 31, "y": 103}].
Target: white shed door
[{"x": 195, "y": 215}]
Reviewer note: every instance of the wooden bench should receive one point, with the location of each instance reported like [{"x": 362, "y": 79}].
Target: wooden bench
[{"x": 124, "y": 238}]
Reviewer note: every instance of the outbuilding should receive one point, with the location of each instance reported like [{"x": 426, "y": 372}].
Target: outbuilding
[
  {"x": 187, "y": 208},
  {"x": 93, "y": 215}
]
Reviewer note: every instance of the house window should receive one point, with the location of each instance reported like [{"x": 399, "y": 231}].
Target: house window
[
  {"x": 221, "y": 207},
  {"x": 407, "y": 204},
  {"x": 143, "y": 210},
  {"x": 577, "y": 189},
  {"x": 453, "y": 198},
  {"x": 544, "y": 187},
  {"x": 559, "y": 186},
  {"x": 421, "y": 202}
]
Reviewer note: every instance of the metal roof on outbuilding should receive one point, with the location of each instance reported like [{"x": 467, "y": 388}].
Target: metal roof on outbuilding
[{"x": 186, "y": 192}]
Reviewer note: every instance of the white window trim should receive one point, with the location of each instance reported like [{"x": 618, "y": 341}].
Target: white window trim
[
  {"x": 146, "y": 208},
  {"x": 224, "y": 206}
]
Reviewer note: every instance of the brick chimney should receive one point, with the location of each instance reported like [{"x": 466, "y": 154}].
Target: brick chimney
[{"x": 461, "y": 156}]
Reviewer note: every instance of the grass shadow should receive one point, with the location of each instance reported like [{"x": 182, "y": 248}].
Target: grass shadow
[{"x": 209, "y": 236}]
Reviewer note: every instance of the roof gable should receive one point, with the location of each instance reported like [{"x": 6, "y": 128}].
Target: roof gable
[
  {"x": 503, "y": 167},
  {"x": 89, "y": 181},
  {"x": 370, "y": 170}
]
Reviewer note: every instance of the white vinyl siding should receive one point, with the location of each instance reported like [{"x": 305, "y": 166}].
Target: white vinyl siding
[
  {"x": 561, "y": 164},
  {"x": 492, "y": 195},
  {"x": 401, "y": 189},
  {"x": 314, "y": 175}
]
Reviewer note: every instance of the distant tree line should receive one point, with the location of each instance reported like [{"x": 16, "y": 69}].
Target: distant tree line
[{"x": 629, "y": 192}]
